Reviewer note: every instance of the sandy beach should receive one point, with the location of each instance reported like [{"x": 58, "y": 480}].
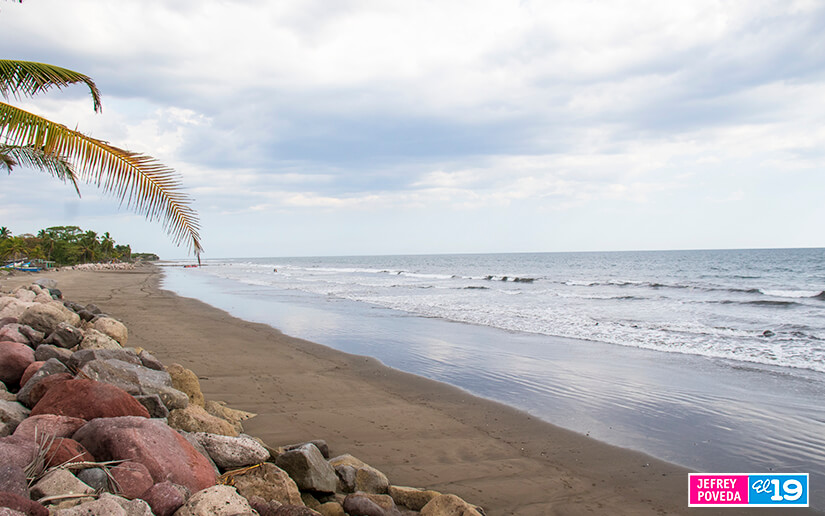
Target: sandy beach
[{"x": 419, "y": 432}]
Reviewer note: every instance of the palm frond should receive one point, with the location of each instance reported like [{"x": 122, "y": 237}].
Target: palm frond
[
  {"x": 144, "y": 184},
  {"x": 27, "y": 78},
  {"x": 31, "y": 157}
]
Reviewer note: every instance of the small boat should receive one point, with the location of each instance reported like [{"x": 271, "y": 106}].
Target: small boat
[{"x": 190, "y": 266}]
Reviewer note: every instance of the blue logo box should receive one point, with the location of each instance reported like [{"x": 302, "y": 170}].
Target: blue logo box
[{"x": 778, "y": 489}]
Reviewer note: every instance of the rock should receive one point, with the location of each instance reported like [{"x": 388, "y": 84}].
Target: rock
[
  {"x": 308, "y": 469},
  {"x": 166, "y": 497},
  {"x": 331, "y": 509},
  {"x": 40, "y": 386},
  {"x": 449, "y": 505},
  {"x": 270, "y": 483},
  {"x": 25, "y": 295},
  {"x": 59, "y": 482},
  {"x": 101, "y": 507},
  {"x": 346, "y": 478},
  {"x": 232, "y": 452},
  {"x": 136, "y": 379},
  {"x": 21, "y": 504},
  {"x": 230, "y": 415},
  {"x": 154, "y": 405},
  {"x": 12, "y": 333},
  {"x": 46, "y": 282},
  {"x": 93, "y": 308},
  {"x": 12, "y": 414},
  {"x": 46, "y": 351},
  {"x": 367, "y": 478},
  {"x": 261, "y": 506},
  {"x": 46, "y": 316},
  {"x": 186, "y": 381},
  {"x": 132, "y": 479},
  {"x": 65, "y": 336},
  {"x": 112, "y": 328},
  {"x": 359, "y": 505},
  {"x": 14, "y": 359},
  {"x": 294, "y": 510},
  {"x": 217, "y": 500},
  {"x": 132, "y": 507},
  {"x": 17, "y": 450},
  {"x": 200, "y": 449},
  {"x": 87, "y": 400},
  {"x": 82, "y": 357},
  {"x": 50, "y": 367},
  {"x": 195, "y": 419},
  {"x": 148, "y": 360},
  {"x": 322, "y": 446},
  {"x": 63, "y": 450},
  {"x": 410, "y": 497},
  {"x": 166, "y": 454},
  {"x": 29, "y": 372},
  {"x": 96, "y": 478},
  {"x": 12, "y": 307},
  {"x": 35, "y": 337},
  {"x": 13, "y": 480},
  {"x": 93, "y": 339}
]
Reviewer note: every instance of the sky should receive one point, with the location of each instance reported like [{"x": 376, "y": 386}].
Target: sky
[{"x": 360, "y": 127}]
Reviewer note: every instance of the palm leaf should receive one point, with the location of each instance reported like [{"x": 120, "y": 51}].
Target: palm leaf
[
  {"x": 144, "y": 184},
  {"x": 28, "y": 78},
  {"x": 28, "y": 156}
]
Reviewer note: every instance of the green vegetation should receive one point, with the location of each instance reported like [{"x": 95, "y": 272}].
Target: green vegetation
[
  {"x": 140, "y": 181},
  {"x": 64, "y": 245}
]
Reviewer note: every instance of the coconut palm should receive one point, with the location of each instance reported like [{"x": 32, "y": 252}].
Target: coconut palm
[{"x": 146, "y": 185}]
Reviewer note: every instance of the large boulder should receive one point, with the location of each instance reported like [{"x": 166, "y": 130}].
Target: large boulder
[
  {"x": 22, "y": 505},
  {"x": 59, "y": 482},
  {"x": 195, "y": 419},
  {"x": 82, "y": 357},
  {"x": 232, "y": 452},
  {"x": 410, "y": 497},
  {"x": 93, "y": 339},
  {"x": 48, "y": 425},
  {"x": 309, "y": 469},
  {"x": 449, "y": 505},
  {"x": 47, "y": 351},
  {"x": 132, "y": 479},
  {"x": 217, "y": 500},
  {"x": 112, "y": 328},
  {"x": 164, "y": 452},
  {"x": 367, "y": 479},
  {"x": 46, "y": 316},
  {"x": 29, "y": 394},
  {"x": 63, "y": 449},
  {"x": 270, "y": 483},
  {"x": 12, "y": 307},
  {"x": 14, "y": 359},
  {"x": 12, "y": 414},
  {"x": 65, "y": 336},
  {"x": 20, "y": 333},
  {"x": 13, "y": 480},
  {"x": 186, "y": 381},
  {"x": 17, "y": 450},
  {"x": 88, "y": 399},
  {"x": 166, "y": 497},
  {"x": 136, "y": 379},
  {"x": 29, "y": 372}
]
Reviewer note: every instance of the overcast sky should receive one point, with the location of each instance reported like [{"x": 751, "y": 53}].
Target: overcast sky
[{"x": 382, "y": 127}]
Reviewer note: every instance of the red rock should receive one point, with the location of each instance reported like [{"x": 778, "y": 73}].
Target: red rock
[
  {"x": 88, "y": 399},
  {"x": 63, "y": 450},
  {"x": 14, "y": 359},
  {"x": 24, "y": 505},
  {"x": 43, "y": 385},
  {"x": 17, "y": 451},
  {"x": 165, "y": 498},
  {"x": 133, "y": 479},
  {"x": 29, "y": 372},
  {"x": 48, "y": 424},
  {"x": 165, "y": 453}
]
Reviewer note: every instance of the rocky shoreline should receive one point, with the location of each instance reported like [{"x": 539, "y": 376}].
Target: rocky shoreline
[{"x": 91, "y": 426}]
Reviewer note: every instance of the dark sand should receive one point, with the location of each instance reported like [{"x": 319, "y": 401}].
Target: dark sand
[{"x": 419, "y": 432}]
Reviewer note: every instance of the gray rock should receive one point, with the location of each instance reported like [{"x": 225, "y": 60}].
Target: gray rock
[
  {"x": 46, "y": 316},
  {"x": 217, "y": 500},
  {"x": 93, "y": 308},
  {"x": 308, "y": 469},
  {"x": 131, "y": 507},
  {"x": 35, "y": 337},
  {"x": 322, "y": 446},
  {"x": 12, "y": 414},
  {"x": 154, "y": 405},
  {"x": 346, "y": 478},
  {"x": 50, "y": 367},
  {"x": 148, "y": 360},
  {"x": 136, "y": 379},
  {"x": 47, "y": 351},
  {"x": 65, "y": 336},
  {"x": 82, "y": 356},
  {"x": 59, "y": 482},
  {"x": 46, "y": 282},
  {"x": 232, "y": 452},
  {"x": 96, "y": 478}
]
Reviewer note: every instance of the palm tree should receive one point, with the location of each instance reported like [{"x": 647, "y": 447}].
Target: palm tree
[
  {"x": 146, "y": 185},
  {"x": 5, "y": 232}
]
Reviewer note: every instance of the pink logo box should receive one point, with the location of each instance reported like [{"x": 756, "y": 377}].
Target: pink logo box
[{"x": 709, "y": 490}]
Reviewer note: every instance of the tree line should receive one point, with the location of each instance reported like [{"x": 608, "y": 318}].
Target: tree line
[{"x": 64, "y": 245}]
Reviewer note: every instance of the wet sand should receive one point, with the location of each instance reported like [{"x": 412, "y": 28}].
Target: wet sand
[{"x": 419, "y": 432}]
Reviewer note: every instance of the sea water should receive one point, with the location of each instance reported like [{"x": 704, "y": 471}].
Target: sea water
[{"x": 711, "y": 359}]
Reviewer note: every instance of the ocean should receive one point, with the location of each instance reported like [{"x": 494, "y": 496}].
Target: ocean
[{"x": 710, "y": 359}]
